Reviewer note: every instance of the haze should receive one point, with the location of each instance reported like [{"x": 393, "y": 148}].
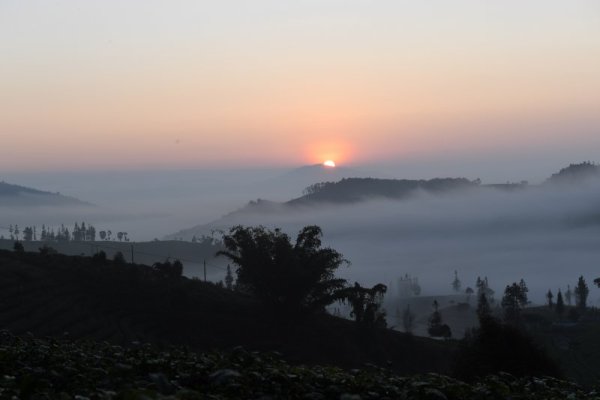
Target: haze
[
  {"x": 188, "y": 84},
  {"x": 168, "y": 115}
]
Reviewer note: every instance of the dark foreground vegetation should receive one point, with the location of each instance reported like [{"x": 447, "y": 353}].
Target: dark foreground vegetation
[
  {"x": 51, "y": 368},
  {"x": 104, "y": 300},
  {"x": 95, "y": 313}
]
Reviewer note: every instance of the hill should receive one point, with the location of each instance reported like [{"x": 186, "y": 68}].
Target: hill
[
  {"x": 359, "y": 189},
  {"x": 575, "y": 173},
  {"x": 13, "y": 195},
  {"x": 51, "y": 294},
  {"x": 346, "y": 191}
]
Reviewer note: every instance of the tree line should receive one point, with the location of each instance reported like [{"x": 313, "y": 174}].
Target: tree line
[{"x": 79, "y": 233}]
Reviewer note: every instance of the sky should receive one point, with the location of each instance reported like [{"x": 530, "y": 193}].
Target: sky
[{"x": 458, "y": 85}]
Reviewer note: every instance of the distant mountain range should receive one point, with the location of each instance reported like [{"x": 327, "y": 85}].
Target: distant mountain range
[
  {"x": 15, "y": 195},
  {"x": 353, "y": 190}
]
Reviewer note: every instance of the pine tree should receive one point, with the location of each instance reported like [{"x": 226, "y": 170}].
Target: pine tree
[
  {"x": 560, "y": 305},
  {"x": 581, "y": 293},
  {"x": 569, "y": 295},
  {"x": 456, "y": 284},
  {"x": 550, "y": 296}
]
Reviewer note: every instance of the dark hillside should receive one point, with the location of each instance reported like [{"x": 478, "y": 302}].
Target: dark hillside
[
  {"x": 357, "y": 189},
  {"x": 11, "y": 194},
  {"x": 54, "y": 294}
]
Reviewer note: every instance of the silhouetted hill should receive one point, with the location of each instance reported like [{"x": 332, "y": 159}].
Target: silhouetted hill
[
  {"x": 11, "y": 194},
  {"x": 346, "y": 191},
  {"x": 575, "y": 173},
  {"x": 357, "y": 189},
  {"x": 54, "y": 294}
]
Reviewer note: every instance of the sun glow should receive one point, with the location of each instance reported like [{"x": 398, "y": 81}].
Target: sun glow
[{"x": 329, "y": 163}]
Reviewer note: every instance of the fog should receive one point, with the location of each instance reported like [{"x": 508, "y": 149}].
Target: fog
[{"x": 547, "y": 235}]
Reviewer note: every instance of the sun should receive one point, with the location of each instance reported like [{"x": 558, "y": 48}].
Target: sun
[{"x": 329, "y": 163}]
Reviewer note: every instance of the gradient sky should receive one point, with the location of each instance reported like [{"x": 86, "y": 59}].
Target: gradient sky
[{"x": 140, "y": 84}]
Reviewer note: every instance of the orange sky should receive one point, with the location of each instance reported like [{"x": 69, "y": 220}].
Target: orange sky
[{"x": 185, "y": 83}]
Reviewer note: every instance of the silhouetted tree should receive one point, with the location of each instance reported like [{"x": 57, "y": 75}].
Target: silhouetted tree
[
  {"x": 408, "y": 319},
  {"x": 291, "y": 278},
  {"x": 169, "y": 270},
  {"x": 46, "y": 250},
  {"x": 102, "y": 235},
  {"x": 366, "y": 304},
  {"x": 495, "y": 347},
  {"x": 483, "y": 308},
  {"x": 514, "y": 299},
  {"x": 581, "y": 293},
  {"x": 18, "y": 247},
  {"x": 560, "y": 305},
  {"x": 549, "y": 297},
  {"x": 469, "y": 291},
  {"x": 436, "y": 328},
  {"x": 569, "y": 295},
  {"x": 99, "y": 257},
  {"x": 484, "y": 287},
  {"x": 119, "y": 258},
  {"x": 456, "y": 284},
  {"x": 229, "y": 278}
]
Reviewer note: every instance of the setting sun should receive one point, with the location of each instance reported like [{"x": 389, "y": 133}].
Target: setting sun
[{"x": 329, "y": 163}]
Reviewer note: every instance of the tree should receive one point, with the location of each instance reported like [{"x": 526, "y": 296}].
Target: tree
[
  {"x": 228, "y": 278},
  {"x": 581, "y": 293},
  {"x": 366, "y": 304},
  {"x": 483, "y": 287},
  {"x": 102, "y": 235},
  {"x": 469, "y": 291},
  {"x": 484, "y": 311},
  {"x": 119, "y": 258},
  {"x": 408, "y": 319},
  {"x": 289, "y": 278},
  {"x": 560, "y": 305},
  {"x": 436, "y": 328},
  {"x": 169, "y": 270},
  {"x": 550, "y": 296},
  {"x": 514, "y": 299},
  {"x": 456, "y": 284},
  {"x": 569, "y": 295},
  {"x": 18, "y": 247}
]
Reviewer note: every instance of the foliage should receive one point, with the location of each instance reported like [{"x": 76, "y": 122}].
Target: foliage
[
  {"x": 18, "y": 247},
  {"x": 456, "y": 283},
  {"x": 119, "y": 258},
  {"x": 549, "y": 297},
  {"x": 496, "y": 347},
  {"x": 366, "y": 304},
  {"x": 483, "y": 287},
  {"x": 581, "y": 293},
  {"x": 290, "y": 278},
  {"x": 560, "y": 304},
  {"x": 436, "y": 328},
  {"x": 50, "y": 368},
  {"x": 514, "y": 299},
  {"x": 168, "y": 269}
]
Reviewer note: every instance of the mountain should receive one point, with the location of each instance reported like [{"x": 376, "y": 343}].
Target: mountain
[
  {"x": 345, "y": 191},
  {"x": 355, "y": 190},
  {"x": 15, "y": 195}
]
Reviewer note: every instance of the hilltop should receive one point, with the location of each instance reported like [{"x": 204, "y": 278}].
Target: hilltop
[
  {"x": 15, "y": 195},
  {"x": 349, "y": 191}
]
